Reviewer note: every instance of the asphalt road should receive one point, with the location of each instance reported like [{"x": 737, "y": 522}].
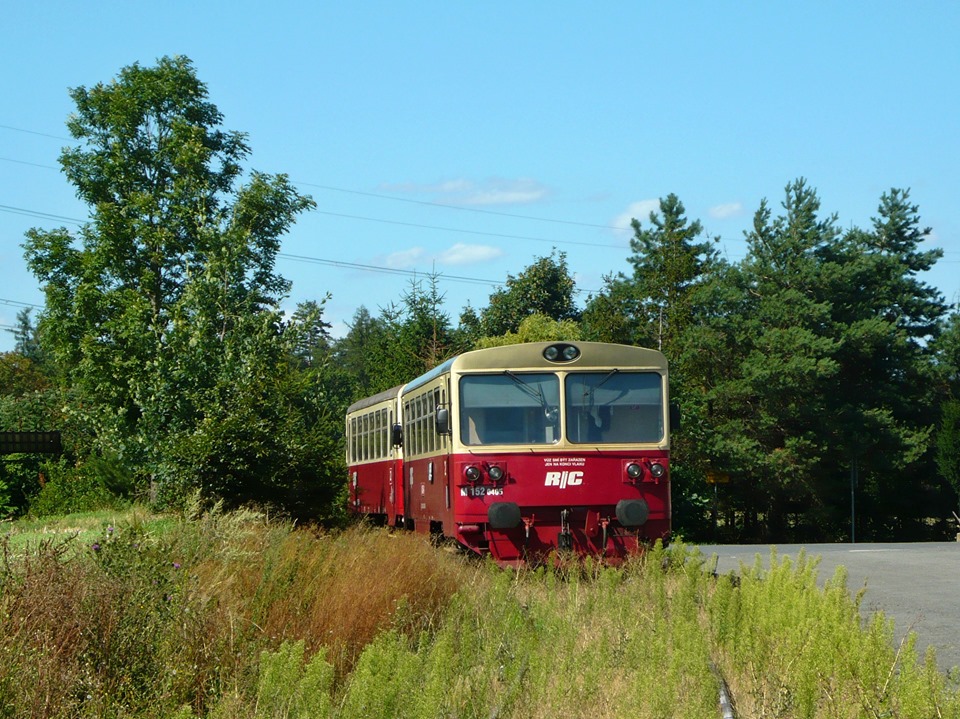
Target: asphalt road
[{"x": 916, "y": 585}]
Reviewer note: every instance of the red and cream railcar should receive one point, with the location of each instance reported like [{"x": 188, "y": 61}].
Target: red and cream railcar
[
  {"x": 524, "y": 450},
  {"x": 375, "y": 457}
]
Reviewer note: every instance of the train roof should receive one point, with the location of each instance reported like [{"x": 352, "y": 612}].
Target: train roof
[
  {"x": 388, "y": 394},
  {"x": 530, "y": 354}
]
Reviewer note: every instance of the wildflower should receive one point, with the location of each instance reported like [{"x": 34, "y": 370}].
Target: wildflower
[
  {"x": 176, "y": 565},
  {"x": 96, "y": 546}
]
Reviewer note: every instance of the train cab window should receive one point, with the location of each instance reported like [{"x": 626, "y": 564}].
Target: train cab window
[
  {"x": 614, "y": 407},
  {"x": 510, "y": 408}
]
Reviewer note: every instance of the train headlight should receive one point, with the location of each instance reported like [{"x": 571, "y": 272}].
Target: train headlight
[
  {"x": 496, "y": 473},
  {"x": 657, "y": 470},
  {"x": 634, "y": 470},
  {"x": 561, "y": 352},
  {"x": 472, "y": 473}
]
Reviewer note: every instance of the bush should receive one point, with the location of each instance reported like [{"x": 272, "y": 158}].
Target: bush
[{"x": 98, "y": 483}]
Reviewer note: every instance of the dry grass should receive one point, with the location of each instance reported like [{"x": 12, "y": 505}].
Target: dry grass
[
  {"x": 334, "y": 592},
  {"x": 231, "y": 615},
  {"x": 140, "y": 623},
  {"x": 42, "y": 606}
]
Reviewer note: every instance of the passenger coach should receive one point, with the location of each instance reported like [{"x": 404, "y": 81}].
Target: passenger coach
[{"x": 521, "y": 451}]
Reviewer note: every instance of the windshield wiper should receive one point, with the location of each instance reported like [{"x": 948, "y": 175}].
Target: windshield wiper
[
  {"x": 537, "y": 393},
  {"x": 591, "y": 389}
]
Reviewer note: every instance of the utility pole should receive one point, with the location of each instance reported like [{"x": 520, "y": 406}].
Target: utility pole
[{"x": 854, "y": 472}]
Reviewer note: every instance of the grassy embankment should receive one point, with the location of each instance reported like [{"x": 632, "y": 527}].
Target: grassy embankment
[{"x": 227, "y": 615}]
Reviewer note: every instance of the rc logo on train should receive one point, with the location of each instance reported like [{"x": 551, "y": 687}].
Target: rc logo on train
[
  {"x": 564, "y": 479},
  {"x": 521, "y": 452}
]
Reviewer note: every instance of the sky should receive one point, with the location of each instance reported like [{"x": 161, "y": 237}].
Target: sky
[{"x": 470, "y": 139}]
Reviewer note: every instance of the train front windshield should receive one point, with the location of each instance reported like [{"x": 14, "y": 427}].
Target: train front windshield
[
  {"x": 510, "y": 408},
  {"x": 614, "y": 407},
  {"x": 605, "y": 407}
]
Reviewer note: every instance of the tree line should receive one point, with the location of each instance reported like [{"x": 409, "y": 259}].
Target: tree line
[{"x": 817, "y": 377}]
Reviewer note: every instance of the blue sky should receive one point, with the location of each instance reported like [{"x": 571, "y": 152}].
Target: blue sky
[{"x": 470, "y": 139}]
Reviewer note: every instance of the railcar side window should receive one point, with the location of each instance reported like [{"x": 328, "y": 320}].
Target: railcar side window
[
  {"x": 354, "y": 440},
  {"x": 614, "y": 407},
  {"x": 510, "y": 408}
]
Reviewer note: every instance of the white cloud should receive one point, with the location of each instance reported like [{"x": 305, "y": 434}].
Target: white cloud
[
  {"x": 722, "y": 212},
  {"x": 505, "y": 192},
  {"x": 436, "y": 188},
  {"x": 416, "y": 258},
  {"x": 640, "y": 210},
  {"x": 461, "y": 254},
  {"x": 462, "y": 191},
  {"x": 403, "y": 259}
]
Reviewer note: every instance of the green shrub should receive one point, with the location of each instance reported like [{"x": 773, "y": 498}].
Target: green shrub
[
  {"x": 98, "y": 483},
  {"x": 290, "y": 687}
]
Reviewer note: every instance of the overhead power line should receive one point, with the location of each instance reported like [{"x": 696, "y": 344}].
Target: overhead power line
[
  {"x": 387, "y": 270},
  {"x": 34, "y": 132},
  {"x": 379, "y": 195},
  {"x": 298, "y": 258},
  {"x": 469, "y": 232},
  {"x": 461, "y": 208},
  {"x": 31, "y": 164},
  {"x": 41, "y": 215},
  {"x": 15, "y": 303}
]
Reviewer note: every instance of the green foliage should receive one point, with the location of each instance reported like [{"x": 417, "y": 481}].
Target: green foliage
[
  {"x": 20, "y": 375},
  {"x": 98, "y": 483},
  {"x": 163, "y": 313},
  {"x": 807, "y": 359},
  {"x": 534, "y": 328},
  {"x": 27, "y": 341},
  {"x": 789, "y": 648},
  {"x": 948, "y": 444},
  {"x": 405, "y": 341},
  {"x": 42, "y": 410},
  {"x": 654, "y": 305},
  {"x": 260, "y": 430},
  {"x": 546, "y": 287},
  {"x": 290, "y": 687}
]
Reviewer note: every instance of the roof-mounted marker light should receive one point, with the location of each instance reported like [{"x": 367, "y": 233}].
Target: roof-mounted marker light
[{"x": 561, "y": 352}]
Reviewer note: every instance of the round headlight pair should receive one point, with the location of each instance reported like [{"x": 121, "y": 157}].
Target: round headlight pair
[
  {"x": 635, "y": 471},
  {"x": 561, "y": 353},
  {"x": 473, "y": 473}
]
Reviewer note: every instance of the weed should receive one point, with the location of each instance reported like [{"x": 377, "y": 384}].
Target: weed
[{"x": 225, "y": 615}]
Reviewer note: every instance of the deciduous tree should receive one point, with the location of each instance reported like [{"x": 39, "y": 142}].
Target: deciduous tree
[
  {"x": 546, "y": 287},
  {"x": 166, "y": 303}
]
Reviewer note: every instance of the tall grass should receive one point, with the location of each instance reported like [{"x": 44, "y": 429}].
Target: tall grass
[
  {"x": 230, "y": 615},
  {"x": 131, "y": 622},
  {"x": 789, "y": 648}
]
